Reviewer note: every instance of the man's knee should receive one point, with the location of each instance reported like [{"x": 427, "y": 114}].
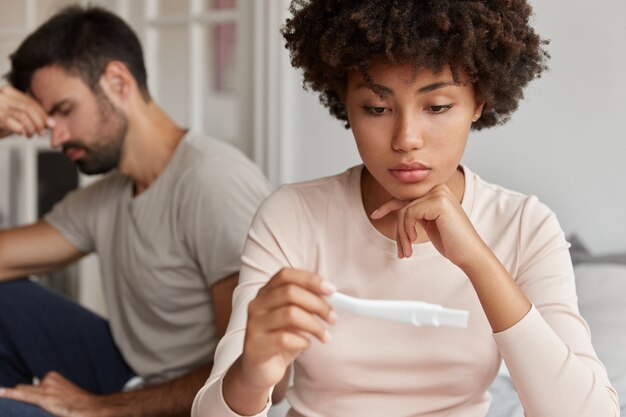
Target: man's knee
[
  {"x": 16, "y": 293},
  {"x": 17, "y": 283},
  {"x": 10, "y": 408}
]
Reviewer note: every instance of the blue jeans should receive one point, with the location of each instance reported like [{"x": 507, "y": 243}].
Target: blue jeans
[{"x": 41, "y": 331}]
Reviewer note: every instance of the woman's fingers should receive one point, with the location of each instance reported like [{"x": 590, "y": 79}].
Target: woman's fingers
[
  {"x": 402, "y": 240},
  {"x": 391, "y": 205},
  {"x": 293, "y": 294},
  {"x": 292, "y": 302},
  {"x": 425, "y": 211},
  {"x": 290, "y": 341},
  {"x": 283, "y": 318},
  {"x": 294, "y": 319},
  {"x": 304, "y": 279}
]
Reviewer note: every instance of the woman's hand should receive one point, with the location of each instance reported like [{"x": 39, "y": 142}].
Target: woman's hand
[
  {"x": 450, "y": 230},
  {"x": 442, "y": 218},
  {"x": 286, "y": 314}
]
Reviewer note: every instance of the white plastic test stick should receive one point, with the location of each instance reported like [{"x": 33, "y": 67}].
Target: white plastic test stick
[{"x": 417, "y": 313}]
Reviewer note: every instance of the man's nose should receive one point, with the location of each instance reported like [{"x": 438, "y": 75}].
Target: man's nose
[{"x": 59, "y": 135}]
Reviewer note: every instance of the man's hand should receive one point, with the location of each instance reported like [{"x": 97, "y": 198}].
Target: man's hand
[
  {"x": 21, "y": 114},
  {"x": 62, "y": 398},
  {"x": 57, "y": 396}
]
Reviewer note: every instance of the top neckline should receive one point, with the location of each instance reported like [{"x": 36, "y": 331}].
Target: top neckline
[{"x": 381, "y": 241}]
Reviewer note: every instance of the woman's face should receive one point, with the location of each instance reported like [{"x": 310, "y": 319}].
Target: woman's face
[{"x": 410, "y": 127}]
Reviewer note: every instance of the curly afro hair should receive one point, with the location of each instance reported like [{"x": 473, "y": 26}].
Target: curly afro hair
[{"x": 490, "y": 41}]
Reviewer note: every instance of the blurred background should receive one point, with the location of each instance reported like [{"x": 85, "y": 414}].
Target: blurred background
[{"x": 219, "y": 66}]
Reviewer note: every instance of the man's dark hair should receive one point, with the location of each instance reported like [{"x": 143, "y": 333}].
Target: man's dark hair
[
  {"x": 490, "y": 41},
  {"x": 81, "y": 40}
]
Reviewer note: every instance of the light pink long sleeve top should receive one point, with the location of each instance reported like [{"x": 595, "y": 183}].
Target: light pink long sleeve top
[{"x": 373, "y": 367}]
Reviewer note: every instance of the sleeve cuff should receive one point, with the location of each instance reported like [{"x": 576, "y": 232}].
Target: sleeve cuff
[
  {"x": 262, "y": 413},
  {"x": 519, "y": 330},
  {"x": 81, "y": 244},
  {"x": 210, "y": 402}
]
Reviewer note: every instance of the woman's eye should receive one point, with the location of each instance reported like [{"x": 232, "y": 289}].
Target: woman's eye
[
  {"x": 377, "y": 110},
  {"x": 439, "y": 109}
]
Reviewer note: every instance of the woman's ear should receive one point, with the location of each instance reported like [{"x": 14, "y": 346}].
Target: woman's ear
[
  {"x": 479, "y": 104},
  {"x": 478, "y": 110}
]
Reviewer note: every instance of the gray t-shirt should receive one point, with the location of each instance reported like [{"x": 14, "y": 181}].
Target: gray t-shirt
[{"x": 162, "y": 250}]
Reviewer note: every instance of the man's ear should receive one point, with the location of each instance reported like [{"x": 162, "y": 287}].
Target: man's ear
[{"x": 117, "y": 82}]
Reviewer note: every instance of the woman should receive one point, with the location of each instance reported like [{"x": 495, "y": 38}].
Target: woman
[{"x": 410, "y": 79}]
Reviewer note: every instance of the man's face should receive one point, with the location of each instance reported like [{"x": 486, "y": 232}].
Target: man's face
[{"x": 88, "y": 127}]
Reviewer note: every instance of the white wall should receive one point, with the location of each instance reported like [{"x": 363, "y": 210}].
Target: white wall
[
  {"x": 317, "y": 144},
  {"x": 310, "y": 142},
  {"x": 566, "y": 144}
]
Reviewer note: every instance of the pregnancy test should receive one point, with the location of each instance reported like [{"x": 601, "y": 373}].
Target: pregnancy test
[{"x": 417, "y": 313}]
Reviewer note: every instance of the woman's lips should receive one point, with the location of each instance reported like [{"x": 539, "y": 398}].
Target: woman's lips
[{"x": 410, "y": 173}]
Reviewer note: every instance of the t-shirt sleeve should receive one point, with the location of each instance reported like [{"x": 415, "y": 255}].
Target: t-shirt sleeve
[
  {"x": 272, "y": 244},
  {"x": 74, "y": 217},
  {"x": 549, "y": 354},
  {"x": 221, "y": 198}
]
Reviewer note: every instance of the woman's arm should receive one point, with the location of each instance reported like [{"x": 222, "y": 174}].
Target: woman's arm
[
  {"x": 548, "y": 348},
  {"x": 276, "y": 312}
]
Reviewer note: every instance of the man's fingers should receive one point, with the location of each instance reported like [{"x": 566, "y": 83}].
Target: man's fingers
[
  {"x": 24, "y": 393},
  {"x": 29, "y": 127},
  {"x": 33, "y": 114},
  {"x": 37, "y": 115},
  {"x": 53, "y": 376},
  {"x": 14, "y": 126},
  {"x": 27, "y": 111},
  {"x": 10, "y": 91}
]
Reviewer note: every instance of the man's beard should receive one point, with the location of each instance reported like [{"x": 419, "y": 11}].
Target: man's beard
[{"x": 105, "y": 152}]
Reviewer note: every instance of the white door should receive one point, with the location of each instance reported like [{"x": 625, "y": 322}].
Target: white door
[{"x": 198, "y": 64}]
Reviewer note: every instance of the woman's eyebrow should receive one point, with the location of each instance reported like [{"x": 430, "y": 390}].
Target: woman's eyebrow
[
  {"x": 435, "y": 86},
  {"x": 383, "y": 91},
  {"x": 379, "y": 89}
]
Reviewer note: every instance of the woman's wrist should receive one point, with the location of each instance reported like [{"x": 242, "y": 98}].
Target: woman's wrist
[
  {"x": 477, "y": 257},
  {"x": 502, "y": 300},
  {"x": 243, "y": 398}
]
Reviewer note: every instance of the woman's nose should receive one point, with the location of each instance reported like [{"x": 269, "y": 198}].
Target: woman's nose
[{"x": 407, "y": 135}]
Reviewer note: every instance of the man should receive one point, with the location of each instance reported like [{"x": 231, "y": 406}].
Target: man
[{"x": 168, "y": 225}]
